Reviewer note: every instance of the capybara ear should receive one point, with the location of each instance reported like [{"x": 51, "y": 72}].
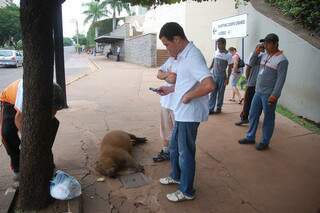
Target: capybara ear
[
  {"x": 111, "y": 172},
  {"x": 140, "y": 168}
]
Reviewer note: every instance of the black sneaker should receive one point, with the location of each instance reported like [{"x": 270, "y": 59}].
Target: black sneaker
[
  {"x": 262, "y": 146},
  {"x": 246, "y": 141},
  {"x": 162, "y": 156},
  {"x": 239, "y": 123},
  {"x": 211, "y": 112}
]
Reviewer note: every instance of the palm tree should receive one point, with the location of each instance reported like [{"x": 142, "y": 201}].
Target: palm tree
[
  {"x": 116, "y": 6},
  {"x": 94, "y": 12}
]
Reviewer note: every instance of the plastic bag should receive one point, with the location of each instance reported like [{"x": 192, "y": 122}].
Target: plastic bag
[{"x": 64, "y": 187}]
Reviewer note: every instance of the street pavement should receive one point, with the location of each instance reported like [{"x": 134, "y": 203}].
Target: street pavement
[
  {"x": 229, "y": 177},
  {"x": 73, "y": 67}
]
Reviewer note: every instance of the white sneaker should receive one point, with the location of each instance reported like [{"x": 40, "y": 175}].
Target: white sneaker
[
  {"x": 168, "y": 180},
  {"x": 178, "y": 196}
]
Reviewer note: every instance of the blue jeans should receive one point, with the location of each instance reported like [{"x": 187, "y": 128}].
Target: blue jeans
[
  {"x": 218, "y": 93},
  {"x": 259, "y": 103},
  {"x": 182, "y": 155}
]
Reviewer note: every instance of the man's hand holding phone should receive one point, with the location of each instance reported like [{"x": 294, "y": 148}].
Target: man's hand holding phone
[{"x": 163, "y": 90}]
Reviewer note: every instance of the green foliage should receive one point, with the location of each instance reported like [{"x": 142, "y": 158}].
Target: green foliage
[
  {"x": 19, "y": 45},
  {"x": 154, "y": 3},
  {"x": 82, "y": 39},
  {"x": 103, "y": 26},
  {"x": 306, "y": 12},
  {"x": 67, "y": 41},
  {"x": 94, "y": 11},
  {"x": 310, "y": 125},
  {"x": 10, "y": 29},
  {"x": 242, "y": 82}
]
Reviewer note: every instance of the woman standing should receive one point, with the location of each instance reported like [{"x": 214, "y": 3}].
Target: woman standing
[{"x": 235, "y": 75}]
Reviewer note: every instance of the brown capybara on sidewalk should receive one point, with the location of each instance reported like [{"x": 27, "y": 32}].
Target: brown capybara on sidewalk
[{"x": 115, "y": 153}]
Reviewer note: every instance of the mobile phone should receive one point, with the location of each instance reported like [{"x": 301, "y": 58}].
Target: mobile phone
[{"x": 154, "y": 89}]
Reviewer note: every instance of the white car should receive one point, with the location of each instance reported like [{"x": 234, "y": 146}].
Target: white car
[{"x": 11, "y": 58}]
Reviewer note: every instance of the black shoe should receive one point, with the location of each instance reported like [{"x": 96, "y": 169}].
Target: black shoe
[
  {"x": 239, "y": 123},
  {"x": 217, "y": 111},
  {"x": 246, "y": 141},
  {"x": 162, "y": 156},
  {"x": 211, "y": 112},
  {"x": 262, "y": 146}
]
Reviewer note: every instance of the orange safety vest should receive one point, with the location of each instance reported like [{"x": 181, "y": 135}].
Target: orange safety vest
[{"x": 9, "y": 94}]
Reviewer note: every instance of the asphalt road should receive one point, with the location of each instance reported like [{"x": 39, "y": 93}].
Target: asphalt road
[{"x": 10, "y": 74}]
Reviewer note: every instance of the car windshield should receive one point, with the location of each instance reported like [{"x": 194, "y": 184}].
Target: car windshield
[{"x": 6, "y": 53}]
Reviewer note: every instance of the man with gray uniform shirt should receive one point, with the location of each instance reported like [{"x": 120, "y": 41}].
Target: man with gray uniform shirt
[
  {"x": 271, "y": 77},
  {"x": 251, "y": 76},
  {"x": 222, "y": 59}
]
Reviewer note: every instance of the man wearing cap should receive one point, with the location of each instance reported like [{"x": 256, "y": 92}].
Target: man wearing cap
[
  {"x": 222, "y": 59},
  {"x": 271, "y": 77},
  {"x": 11, "y": 99}
]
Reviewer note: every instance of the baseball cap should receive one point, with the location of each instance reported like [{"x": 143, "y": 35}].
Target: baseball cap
[{"x": 270, "y": 37}]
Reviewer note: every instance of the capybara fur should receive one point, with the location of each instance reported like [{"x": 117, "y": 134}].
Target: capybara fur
[{"x": 116, "y": 153}]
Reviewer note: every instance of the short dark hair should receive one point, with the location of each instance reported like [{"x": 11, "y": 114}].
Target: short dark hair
[
  {"x": 171, "y": 29},
  {"x": 232, "y": 49},
  {"x": 221, "y": 40}
]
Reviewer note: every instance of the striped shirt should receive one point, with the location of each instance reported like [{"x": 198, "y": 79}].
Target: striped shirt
[
  {"x": 272, "y": 73},
  {"x": 221, "y": 62}
]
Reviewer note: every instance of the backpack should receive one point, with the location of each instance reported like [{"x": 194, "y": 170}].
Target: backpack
[{"x": 241, "y": 63}]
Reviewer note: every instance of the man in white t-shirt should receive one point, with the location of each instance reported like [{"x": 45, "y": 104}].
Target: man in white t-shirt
[
  {"x": 190, "y": 104},
  {"x": 167, "y": 73}
]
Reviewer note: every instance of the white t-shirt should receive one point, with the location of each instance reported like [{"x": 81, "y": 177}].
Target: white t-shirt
[
  {"x": 169, "y": 65},
  {"x": 191, "y": 70},
  {"x": 19, "y": 97}
]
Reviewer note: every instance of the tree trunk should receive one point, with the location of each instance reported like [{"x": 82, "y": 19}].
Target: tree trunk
[{"x": 36, "y": 160}]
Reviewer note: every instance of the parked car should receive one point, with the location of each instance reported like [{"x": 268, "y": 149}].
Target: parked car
[{"x": 11, "y": 58}]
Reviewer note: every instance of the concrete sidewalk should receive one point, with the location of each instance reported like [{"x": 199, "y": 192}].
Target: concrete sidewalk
[{"x": 230, "y": 177}]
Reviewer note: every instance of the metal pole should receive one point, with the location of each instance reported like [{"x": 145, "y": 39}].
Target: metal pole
[
  {"x": 59, "y": 51},
  {"x": 242, "y": 48}
]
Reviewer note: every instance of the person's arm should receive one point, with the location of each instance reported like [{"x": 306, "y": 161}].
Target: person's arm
[
  {"x": 165, "y": 90},
  {"x": 171, "y": 78},
  {"x": 206, "y": 86},
  {"x": 248, "y": 71},
  {"x": 162, "y": 75},
  {"x": 229, "y": 71},
  {"x": 211, "y": 66},
  {"x": 18, "y": 120},
  {"x": 281, "y": 78}
]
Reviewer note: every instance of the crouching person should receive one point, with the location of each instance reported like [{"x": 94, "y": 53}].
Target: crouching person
[{"x": 11, "y": 99}]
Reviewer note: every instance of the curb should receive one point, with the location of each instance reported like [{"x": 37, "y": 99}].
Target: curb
[
  {"x": 86, "y": 74},
  {"x": 94, "y": 64}
]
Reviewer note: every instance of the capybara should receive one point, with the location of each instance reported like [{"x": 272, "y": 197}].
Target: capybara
[{"x": 116, "y": 153}]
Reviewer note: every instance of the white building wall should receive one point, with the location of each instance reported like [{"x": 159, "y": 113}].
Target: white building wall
[
  {"x": 156, "y": 18},
  {"x": 199, "y": 18}
]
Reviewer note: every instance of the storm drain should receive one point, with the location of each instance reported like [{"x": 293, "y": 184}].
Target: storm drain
[{"x": 134, "y": 180}]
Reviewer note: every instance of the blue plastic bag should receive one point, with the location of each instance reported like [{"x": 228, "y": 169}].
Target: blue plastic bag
[{"x": 64, "y": 187}]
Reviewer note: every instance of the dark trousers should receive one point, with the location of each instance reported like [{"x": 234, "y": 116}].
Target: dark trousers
[
  {"x": 248, "y": 96},
  {"x": 9, "y": 134},
  {"x": 10, "y": 138}
]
